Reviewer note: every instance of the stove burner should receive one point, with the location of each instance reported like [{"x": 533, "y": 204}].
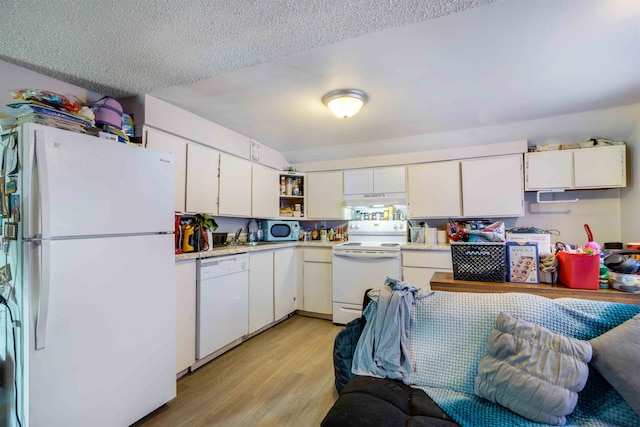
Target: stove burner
[
  {"x": 352, "y": 244},
  {"x": 390, "y": 245}
]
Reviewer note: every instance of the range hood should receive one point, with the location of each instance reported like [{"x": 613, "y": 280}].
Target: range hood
[{"x": 371, "y": 199}]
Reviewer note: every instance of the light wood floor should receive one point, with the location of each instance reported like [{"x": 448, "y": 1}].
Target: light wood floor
[{"x": 282, "y": 377}]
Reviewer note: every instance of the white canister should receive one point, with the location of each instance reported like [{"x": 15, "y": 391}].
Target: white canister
[
  {"x": 210, "y": 239},
  {"x": 323, "y": 235},
  {"x": 431, "y": 235},
  {"x": 442, "y": 236}
]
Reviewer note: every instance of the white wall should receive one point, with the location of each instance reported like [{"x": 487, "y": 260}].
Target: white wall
[
  {"x": 159, "y": 114},
  {"x": 15, "y": 77},
  {"x": 630, "y": 196}
]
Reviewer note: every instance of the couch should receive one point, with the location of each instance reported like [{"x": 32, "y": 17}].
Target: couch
[{"x": 453, "y": 365}]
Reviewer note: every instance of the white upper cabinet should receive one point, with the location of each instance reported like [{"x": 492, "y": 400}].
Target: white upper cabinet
[
  {"x": 548, "y": 170},
  {"x": 164, "y": 142},
  {"x": 324, "y": 191},
  {"x": 434, "y": 190},
  {"x": 601, "y": 167},
  {"x": 358, "y": 181},
  {"x": 264, "y": 192},
  {"x": 390, "y": 180},
  {"x": 493, "y": 187},
  {"x": 376, "y": 180},
  {"x": 202, "y": 179},
  {"x": 235, "y": 186}
]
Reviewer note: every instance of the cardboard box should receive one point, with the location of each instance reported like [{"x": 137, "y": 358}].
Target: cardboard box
[
  {"x": 523, "y": 262},
  {"x": 542, "y": 239}
]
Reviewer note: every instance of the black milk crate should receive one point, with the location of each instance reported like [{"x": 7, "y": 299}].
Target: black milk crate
[{"x": 479, "y": 262}]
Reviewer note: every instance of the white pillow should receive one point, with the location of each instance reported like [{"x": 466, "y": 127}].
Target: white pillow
[{"x": 533, "y": 371}]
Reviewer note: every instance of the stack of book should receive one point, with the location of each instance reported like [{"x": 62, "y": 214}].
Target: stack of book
[{"x": 36, "y": 112}]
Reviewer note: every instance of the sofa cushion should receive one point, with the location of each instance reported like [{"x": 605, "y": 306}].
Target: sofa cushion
[
  {"x": 343, "y": 348},
  {"x": 369, "y": 401},
  {"x": 532, "y": 370},
  {"x": 616, "y": 355}
]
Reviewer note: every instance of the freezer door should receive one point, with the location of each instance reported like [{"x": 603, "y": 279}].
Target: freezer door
[
  {"x": 110, "y": 352},
  {"x": 91, "y": 186}
]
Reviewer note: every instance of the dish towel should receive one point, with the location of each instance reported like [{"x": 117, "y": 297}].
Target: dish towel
[{"x": 384, "y": 349}]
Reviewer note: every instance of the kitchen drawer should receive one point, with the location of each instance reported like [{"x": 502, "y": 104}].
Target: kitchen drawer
[
  {"x": 317, "y": 255},
  {"x": 428, "y": 259}
]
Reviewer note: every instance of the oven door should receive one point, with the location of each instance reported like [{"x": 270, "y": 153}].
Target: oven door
[{"x": 356, "y": 270}]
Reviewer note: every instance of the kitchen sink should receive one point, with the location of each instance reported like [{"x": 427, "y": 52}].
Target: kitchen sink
[{"x": 253, "y": 243}]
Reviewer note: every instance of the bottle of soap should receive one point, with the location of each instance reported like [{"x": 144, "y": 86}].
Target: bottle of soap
[
  {"x": 603, "y": 279},
  {"x": 253, "y": 230}
]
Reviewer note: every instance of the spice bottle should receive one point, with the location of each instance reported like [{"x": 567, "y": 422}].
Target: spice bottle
[{"x": 283, "y": 187}]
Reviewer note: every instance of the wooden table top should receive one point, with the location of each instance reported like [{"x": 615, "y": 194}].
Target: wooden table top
[{"x": 443, "y": 281}]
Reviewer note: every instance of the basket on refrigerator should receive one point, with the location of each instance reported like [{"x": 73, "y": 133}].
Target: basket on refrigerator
[{"x": 479, "y": 262}]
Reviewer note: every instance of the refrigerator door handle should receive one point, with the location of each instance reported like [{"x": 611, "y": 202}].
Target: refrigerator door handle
[
  {"x": 43, "y": 300},
  {"x": 43, "y": 184},
  {"x": 39, "y": 163}
]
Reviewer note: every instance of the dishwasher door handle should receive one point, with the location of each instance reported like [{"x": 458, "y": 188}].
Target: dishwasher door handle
[{"x": 367, "y": 255}]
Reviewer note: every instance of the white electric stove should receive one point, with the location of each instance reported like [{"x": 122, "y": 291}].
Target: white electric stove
[{"x": 371, "y": 255}]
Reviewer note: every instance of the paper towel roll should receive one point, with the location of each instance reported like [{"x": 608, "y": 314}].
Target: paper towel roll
[{"x": 442, "y": 236}]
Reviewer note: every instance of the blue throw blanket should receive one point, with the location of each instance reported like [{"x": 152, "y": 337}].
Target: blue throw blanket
[
  {"x": 383, "y": 349},
  {"x": 449, "y": 332}
]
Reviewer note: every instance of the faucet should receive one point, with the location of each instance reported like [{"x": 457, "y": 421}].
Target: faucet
[{"x": 236, "y": 237}]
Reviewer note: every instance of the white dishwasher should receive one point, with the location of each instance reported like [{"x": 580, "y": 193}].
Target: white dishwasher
[{"x": 222, "y": 308}]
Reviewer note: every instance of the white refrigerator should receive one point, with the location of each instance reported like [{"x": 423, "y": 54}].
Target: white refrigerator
[{"x": 98, "y": 299}]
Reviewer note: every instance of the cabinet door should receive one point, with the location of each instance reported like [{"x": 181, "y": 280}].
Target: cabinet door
[
  {"x": 284, "y": 282},
  {"x": 419, "y": 276},
  {"x": 434, "y": 190},
  {"x": 171, "y": 144},
  {"x": 358, "y": 181},
  {"x": 260, "y": 290},
  {"x": 264, "y": 192},
  {"x": 185, "y": 314},
  {"x": 493, "y": 187},
  {"x": 549, "y": 170},
  {"x": 324, "y": 195},
  {"x": 235, "y": 186},
  {"x": 390, "y": 180},
  {"x": 202, "y": 179},
  {"x": 318, "y": 293},
  {"x": 600, "y": 167}
]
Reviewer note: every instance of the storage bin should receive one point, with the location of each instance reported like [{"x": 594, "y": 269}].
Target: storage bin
[
  {"x": 108, "y": 111},
  {"x": 624, "y": 282},
  {"x": 479, "y": 262},
  {"x": 579, "y": 271}
]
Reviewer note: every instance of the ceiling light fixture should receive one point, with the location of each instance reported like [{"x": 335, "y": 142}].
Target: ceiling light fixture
[{"x": 345, "y": 103}]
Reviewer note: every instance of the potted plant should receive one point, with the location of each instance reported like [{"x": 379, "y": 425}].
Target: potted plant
[{"x": 208, "y": 225}]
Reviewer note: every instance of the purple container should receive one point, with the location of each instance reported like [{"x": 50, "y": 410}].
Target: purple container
[{"x": 108, "y": 111}]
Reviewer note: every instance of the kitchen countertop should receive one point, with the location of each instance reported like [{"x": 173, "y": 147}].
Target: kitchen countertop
[
  {"x": 263, "y": 246},
  {"x": 237, "y": 249},
  {"x": 426, "y": 247}
]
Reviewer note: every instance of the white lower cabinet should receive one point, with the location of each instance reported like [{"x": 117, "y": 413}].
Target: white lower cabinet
[
  {"x": 284, "y": 282},
  {"x": 260, "y": 290},
  {"x": 185, "y": 314},
  {"x": 419, "y": 266},
  {"x": 317, "y": 280}
]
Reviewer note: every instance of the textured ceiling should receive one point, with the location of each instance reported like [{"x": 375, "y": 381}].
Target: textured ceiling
[
  {"x": 125, "y": 47},
  {"x": 438, "y": 74}
]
